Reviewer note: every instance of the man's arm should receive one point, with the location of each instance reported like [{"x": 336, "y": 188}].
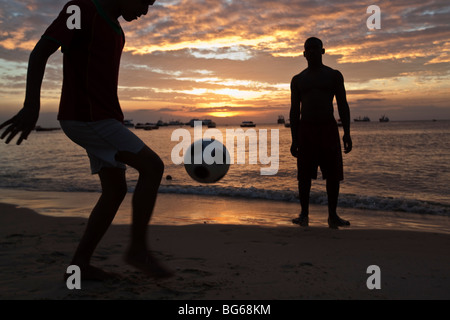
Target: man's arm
[
  {"x": 294, "y": 116},
  {"x": 27, "y": 117},
  {"x": 344, "y": 111}
]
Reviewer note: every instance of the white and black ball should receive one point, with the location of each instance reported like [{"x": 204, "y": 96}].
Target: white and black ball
[{"x": 207, "y": 161}]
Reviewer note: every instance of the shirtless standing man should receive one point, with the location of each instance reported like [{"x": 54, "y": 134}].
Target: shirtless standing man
[{"x": 315, "y": 135}]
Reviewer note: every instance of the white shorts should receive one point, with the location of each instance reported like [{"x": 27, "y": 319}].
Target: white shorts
[{"x": 102, "y": 140}]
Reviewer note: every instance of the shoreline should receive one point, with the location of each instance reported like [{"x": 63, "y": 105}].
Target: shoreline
[
  {"x": 224, "y": 262},
  {"x": 185, "y": 209}
]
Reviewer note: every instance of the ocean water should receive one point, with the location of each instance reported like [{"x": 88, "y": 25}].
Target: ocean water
[{"x": 394, "y": 166}]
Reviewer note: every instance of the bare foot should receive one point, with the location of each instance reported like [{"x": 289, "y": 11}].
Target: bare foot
[
  {"x": 148, "y": 264},
  {"x": 302, "y": 220},
  {"x": 336, "y": 222}
]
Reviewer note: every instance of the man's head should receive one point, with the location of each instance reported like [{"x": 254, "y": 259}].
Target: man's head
[
  {"x": 133, "y": 9},
  {"x": 313, "y": 50}
]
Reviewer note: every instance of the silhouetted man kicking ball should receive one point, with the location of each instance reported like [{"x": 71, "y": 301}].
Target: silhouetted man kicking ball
[
  {"x": 315, "y": 134},
  {"x": 91, "y": 116}
]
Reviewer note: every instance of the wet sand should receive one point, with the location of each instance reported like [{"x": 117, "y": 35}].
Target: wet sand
[{"x": 217, "y": 259}]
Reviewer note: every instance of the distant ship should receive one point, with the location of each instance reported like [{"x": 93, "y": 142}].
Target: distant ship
[
  {"x": 363, "y": 119},
  {"x": 247, "y": 124},
  {"x": 128, "y": 123},
  {"x": 39, "y": 128},
  {"x": 175, "y": 123},
  {"x": 205, "y": 122},
  {"x": 161, "y": 123},
  {"x": 280, "y": 119},
  {"x": 384, "y": 119},
  {"x": 192, "y": 122},
  {"x": 146, "y": 126}
]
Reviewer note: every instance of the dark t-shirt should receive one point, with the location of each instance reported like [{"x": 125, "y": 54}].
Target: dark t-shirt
[{"x": 90, "y": 64}]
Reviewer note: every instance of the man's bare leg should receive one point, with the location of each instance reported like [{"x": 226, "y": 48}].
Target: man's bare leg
[
  {"x": 114, "y": 189},
  {"x": 334, "y": 221},
  {"x": 151, "y": 170},
  {"x": 304, "y": 189}
]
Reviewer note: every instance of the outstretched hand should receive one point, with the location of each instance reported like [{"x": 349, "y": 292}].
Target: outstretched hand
[
  {"x": 347, "y": 143},
  {"x": 24, "y": 122}
]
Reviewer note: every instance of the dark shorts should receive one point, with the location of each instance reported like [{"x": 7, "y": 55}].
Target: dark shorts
[{"x": 319, "y": 145}]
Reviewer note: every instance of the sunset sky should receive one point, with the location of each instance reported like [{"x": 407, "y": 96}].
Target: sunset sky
[{"x": 233, "y": 60}]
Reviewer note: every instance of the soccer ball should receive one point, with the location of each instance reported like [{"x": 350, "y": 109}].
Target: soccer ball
[{"x": 207, "y": 161}]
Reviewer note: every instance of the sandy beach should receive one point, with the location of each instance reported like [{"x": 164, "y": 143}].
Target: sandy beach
[{"x": 219, "y": 255}]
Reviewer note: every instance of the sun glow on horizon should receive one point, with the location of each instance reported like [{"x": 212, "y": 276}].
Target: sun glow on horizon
[{"x": 225, "y": 114}]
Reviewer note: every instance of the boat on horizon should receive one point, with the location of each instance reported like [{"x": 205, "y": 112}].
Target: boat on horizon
[
  {"x": 281, "y": 119},
  {"x": 362, "y": 119},
  {"x": 205, "y": 122},
  {"x": 128, "y": 123},
  {"x": 247, "y": 124},
  {"x": 175, "y": 123},
  {"x": 384, "y": 119},
  {"x": 146, "y": 126},
  {"x": 39, "y": 128},
  {"x": 161, "y": 123}
]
